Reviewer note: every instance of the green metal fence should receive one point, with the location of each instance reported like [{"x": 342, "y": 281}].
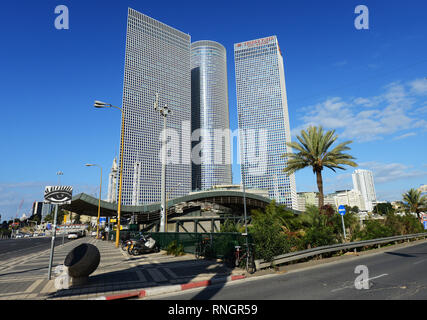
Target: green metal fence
[{"x": 222, "y": 243}]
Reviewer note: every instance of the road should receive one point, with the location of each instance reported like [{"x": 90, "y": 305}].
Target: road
[
  {"x": 393, "y": 274},
  {"x": 15, "y": 248}
]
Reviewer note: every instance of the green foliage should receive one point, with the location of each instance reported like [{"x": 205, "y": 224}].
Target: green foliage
[
  {"x": 314, "y": 150},
  {"x": 414, "y": 202},
  {"x": 175, "y": 249},
  {"x": 77, "y": 219},
  {"x": 383, "y": 208},
  {"x": 375, "y": 229},
  {"x": 316, "y": 237},
  {"x": 401, "y": 225},
  {"x": 267, "y": 232},
  {"x": 311, "y": 218},
  {"x": 230, "y": 226}
]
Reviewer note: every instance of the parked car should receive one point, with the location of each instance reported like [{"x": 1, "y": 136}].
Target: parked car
[
  {"x": 72, "y": 236},
  {"x": 19, "y": 236},
  {"x": 93, "y": 234}
]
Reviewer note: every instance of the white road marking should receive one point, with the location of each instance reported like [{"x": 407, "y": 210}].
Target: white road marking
[{"x": 420, "y": 261}]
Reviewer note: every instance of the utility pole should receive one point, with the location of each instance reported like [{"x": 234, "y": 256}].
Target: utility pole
[{"x": 164, "y": 112}]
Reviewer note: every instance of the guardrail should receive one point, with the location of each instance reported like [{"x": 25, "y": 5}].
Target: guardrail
[{"x": 297, "y": 255}]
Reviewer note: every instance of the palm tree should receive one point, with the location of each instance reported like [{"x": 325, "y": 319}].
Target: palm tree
[
  {"x": 414, "y": 201},
  {"x": 313, "y": 151}
]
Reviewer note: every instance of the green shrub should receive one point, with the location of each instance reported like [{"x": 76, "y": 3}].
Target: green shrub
[
  {"x": 319, "y": 236},
  {"x": 175, "y": 249},
  {"x": 267, "y": 233},
  {"x": 230, "y": 226},
  {"x": 375, "y": 229}
]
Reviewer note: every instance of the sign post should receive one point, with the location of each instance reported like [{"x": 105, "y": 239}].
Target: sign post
[
  {"x": 57, "y": 195},
  {"x": 341, "y": 210}
]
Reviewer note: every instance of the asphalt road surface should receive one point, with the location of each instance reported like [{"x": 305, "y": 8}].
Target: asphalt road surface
[
  {"x": 393, "y": 274},
  {"x": 15, "y": 248}
]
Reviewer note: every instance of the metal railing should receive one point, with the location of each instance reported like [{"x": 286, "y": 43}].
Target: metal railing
[{"x": 297, "y": 255}]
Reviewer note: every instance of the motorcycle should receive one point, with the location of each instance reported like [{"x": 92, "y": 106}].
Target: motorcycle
[{"x": 145, "y": 245}]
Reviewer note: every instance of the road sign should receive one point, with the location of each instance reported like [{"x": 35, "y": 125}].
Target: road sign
[
  {"x": 425, "y": 225},
  {"x": 102, "y": 219},
  {"x": 341, "y": 210},
  {"x": 113, "y": 220}
]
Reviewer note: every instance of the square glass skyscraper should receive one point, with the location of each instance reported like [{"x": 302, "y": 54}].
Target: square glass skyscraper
[
  {"x": 263, "y": 118},
  {"x": 157, "y": 60}
]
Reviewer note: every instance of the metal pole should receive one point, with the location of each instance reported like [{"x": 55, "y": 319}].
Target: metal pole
[
  {"x": 343, "y": 226},
  {"x": 163, "y": 196},
  {"x": 120, "y": 183},
  {"x": 52, "y": 247},
  {"x": 99, "y": 206},
  {"x": 244, "y": 194}
]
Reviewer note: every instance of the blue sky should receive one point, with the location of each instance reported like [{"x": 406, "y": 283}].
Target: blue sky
[{"x": 369, "y": 85}]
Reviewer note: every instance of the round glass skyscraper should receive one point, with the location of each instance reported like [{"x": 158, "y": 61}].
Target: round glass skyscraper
[{"x": 209, "y": 116}]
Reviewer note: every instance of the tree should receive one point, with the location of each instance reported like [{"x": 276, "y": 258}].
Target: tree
[
  {"x": 313, "y": 151},
  {"x": 268, "y": 233},
  {"x": 383, "y": 208},
  {"x": 414, "y": 202},
  {"x": 77, "y": 219}
]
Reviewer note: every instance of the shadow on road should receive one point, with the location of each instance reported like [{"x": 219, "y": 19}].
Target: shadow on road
[
  {"x": 129, "y": 279},
  {"x": 401, "y": 254}
]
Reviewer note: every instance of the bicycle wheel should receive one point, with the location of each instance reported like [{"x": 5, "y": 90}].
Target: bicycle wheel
[
  {"x": 124, "y": 246},
  {"x": 198, "y": 251}
]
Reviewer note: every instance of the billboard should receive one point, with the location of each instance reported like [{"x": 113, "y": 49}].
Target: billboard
[{"x": 58, "y": 194}]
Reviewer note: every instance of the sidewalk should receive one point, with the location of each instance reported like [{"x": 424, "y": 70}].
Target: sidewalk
[{"x": 117, "y": 273}]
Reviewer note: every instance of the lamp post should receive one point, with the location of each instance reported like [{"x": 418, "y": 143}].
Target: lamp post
[
  {"x": 166, "y": 216},
  {"x": 164, "y": 112},
  {"x": 244, "y": 188},
  {"x": 59, "y": 174},
  {"x": 100, "y": 104},
  {"x": 99, "y": 202}
]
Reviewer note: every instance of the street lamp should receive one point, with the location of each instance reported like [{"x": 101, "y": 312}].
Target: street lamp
[
  {"x": 100, "y": 104},
  {"x": 99, "y": 202},
  {"x": 166, "y": 216},
  {"x": 164, "y": 112},
  {"x": 59, "y": 174},
  {"x": 243, "y": 186}
]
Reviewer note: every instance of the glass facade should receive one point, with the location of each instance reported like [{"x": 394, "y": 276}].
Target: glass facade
[
  {"x": 209, "y": 102},
  {"x": 157, "y": 61},
  {"x": 263, "y": 118}
]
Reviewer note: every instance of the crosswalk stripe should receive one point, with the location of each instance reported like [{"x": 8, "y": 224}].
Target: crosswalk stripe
[
  {"x": 171, "y": 273},
  {"x": 34, "y": 286},
  {"x": 156, "y": 275}
]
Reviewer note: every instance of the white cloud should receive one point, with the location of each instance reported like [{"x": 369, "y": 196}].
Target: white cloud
[
  {"x": 340, "y": 63},
  {"x": 387, "y": 172},
  {"x": 383, "y": 115},
  {"x": 419, "y": 86},
  {"x": 406, "y": 135}
]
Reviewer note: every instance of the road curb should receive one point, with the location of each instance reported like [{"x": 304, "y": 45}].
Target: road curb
[{"x": 149, "y": 292}]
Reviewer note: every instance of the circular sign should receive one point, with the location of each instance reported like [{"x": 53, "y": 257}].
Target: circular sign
[{"x": 341, "y": 210}]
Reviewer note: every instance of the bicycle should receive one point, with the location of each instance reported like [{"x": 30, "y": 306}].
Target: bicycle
[
  {"x": 245, "y": 258},
  {"x": 203, "y": 248},
  {"x": 125, "y": 244}
]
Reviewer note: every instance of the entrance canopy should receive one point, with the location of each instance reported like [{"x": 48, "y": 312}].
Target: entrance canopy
[{"x": 84, "y": 204}]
